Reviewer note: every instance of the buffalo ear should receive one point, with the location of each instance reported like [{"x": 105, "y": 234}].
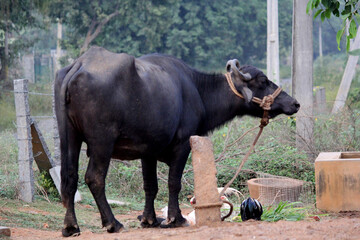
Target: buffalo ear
[{"x": 247, "y": 93}]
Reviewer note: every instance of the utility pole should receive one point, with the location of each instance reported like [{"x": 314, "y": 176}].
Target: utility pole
[
  {"x": 302, "y": 73},
  {"x": 272, "y": 58}
]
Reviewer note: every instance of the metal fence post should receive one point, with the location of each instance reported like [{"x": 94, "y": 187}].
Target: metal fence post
[{"x": 25, "y": 155}]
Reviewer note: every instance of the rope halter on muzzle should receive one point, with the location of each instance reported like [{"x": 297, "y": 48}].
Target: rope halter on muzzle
[{"x": 265, "y": 103}]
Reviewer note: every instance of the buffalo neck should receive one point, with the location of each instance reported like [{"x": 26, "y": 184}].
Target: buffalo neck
[{"x": 221, "y": 105}]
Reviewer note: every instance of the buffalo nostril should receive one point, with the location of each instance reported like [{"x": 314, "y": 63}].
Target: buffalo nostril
[{"x": 297, "y": 105}]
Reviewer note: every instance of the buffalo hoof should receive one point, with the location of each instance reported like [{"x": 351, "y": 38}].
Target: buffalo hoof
[
  {"x": 148, "y": 223},
  {"x": 174, "y": 223},
  {"x": 71, "y": 231},
  {"x": 114, "y": 227}
]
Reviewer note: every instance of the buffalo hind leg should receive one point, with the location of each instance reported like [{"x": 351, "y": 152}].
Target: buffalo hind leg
[
  {"x": 100, "y": 156},
  {"x": 177, "y": 164},
  {"x": 70, "y": 149},
  {"x": 148, "y": 219}
]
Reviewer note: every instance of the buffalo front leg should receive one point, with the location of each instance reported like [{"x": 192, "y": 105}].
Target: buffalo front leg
[
  {"x": 95, "y": 179},
  {"x": 149, "y": 166}
]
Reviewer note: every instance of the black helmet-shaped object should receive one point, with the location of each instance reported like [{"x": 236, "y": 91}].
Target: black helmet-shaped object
[{"x": 251, "y": 209}]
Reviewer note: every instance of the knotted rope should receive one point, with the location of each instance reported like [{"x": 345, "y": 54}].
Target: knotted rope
[{"x": 265, "y": 104}]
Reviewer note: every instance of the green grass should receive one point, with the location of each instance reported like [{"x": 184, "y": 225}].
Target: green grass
[
  {"x": 283, "y": 211},
  {"x": 50, "y": 215},
  {"x": 7, "y": 111},
  {"x": 8, "y": 165},
  {"x": 15, "y": 213}
]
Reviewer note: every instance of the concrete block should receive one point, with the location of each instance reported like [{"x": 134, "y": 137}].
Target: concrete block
[
  {"x": 55, "y": 175},
  {"x": 40, "y": 150},
  {"x": 337, "y": 177},
  {"x": 5, "y": 231}
]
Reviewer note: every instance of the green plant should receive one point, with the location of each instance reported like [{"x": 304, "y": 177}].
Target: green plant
[
  {"x": 347, "y": 10},
  {"x": 283, "y": 211},
  {"x": 45, "y": 181},
  {"x": 353, "y": 100}
]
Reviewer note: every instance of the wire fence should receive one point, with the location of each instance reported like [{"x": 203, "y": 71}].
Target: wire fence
[{"x": 30, "y": 140}]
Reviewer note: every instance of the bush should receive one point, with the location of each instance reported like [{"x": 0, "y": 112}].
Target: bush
[
  {"x": 343, "y": 130},
  {"x": 353, "y": 100},
  {"x": 282, "y": 160}
]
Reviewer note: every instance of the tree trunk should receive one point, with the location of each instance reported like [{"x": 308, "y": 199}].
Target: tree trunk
[
  {"x": 5, "y": 57},
  {"x": 347, "y": 77},
  {"x": 302, "y": 73},
  {"x": 92, "y": 34}
]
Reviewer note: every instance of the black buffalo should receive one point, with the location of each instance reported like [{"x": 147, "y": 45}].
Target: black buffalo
[{"x": 144, "y": 108}]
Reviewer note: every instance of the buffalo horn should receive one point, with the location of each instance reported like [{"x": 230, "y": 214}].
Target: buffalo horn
[{"x": 234, "y": 65}]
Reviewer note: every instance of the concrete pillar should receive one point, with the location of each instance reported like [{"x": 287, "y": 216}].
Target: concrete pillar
[
  {"x": 302, "y": 73},
  {"x": 25, "y": 155},
  {"x": 272, "y": 58}
]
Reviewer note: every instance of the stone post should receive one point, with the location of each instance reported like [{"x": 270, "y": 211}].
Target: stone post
[{"x": 207, "y": 208}]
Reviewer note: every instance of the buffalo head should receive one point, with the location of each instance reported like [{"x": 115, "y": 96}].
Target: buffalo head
[{"x": 251, "y": 82}]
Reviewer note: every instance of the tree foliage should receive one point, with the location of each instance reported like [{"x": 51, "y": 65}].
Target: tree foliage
[
  {"x": 348, "y": 10},
  {"x": 202, "y": 33},
  {"x": 15, "y": 16}
]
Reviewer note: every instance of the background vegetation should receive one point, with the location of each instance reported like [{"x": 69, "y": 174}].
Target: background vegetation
[{"x": 205, "y": 34}]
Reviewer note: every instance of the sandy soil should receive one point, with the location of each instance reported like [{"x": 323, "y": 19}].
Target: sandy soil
[{"x": 341, "y": 226}]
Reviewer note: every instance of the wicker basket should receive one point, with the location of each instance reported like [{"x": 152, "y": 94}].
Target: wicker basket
[{"x": 271, "y": 191}]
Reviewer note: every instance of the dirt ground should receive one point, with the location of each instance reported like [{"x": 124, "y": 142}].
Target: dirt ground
[{"x": 340, "y": 226}]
